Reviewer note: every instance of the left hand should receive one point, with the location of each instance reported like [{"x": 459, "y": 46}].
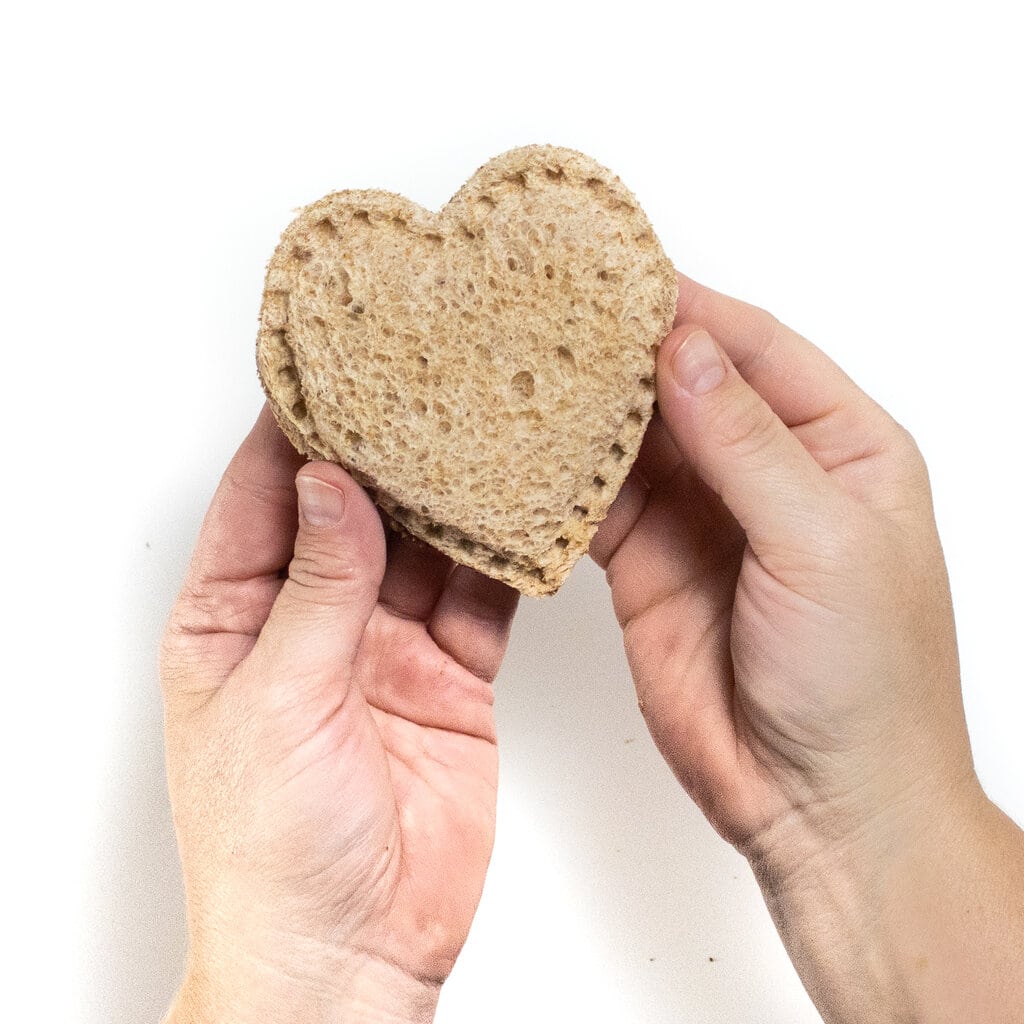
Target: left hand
[{"x": 330, "y": 748}]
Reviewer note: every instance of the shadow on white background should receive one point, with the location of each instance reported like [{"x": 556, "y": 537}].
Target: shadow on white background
[{"x": 136, "y": 943}]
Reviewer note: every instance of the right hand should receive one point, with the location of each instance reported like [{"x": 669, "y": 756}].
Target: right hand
[{"x": 775, "y": 566}]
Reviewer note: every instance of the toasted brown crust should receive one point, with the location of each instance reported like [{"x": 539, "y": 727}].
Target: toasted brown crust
[{"x": 486, "y": 371}]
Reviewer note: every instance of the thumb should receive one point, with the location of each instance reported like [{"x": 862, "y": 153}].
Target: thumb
[
  {"x": 317, "y": 621},
  {"x": 738, "y": 445}
]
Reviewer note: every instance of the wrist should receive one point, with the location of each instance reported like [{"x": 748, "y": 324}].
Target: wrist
[
  {"x": 851, "y": 889},
  {"x": 355, "y": 989}
]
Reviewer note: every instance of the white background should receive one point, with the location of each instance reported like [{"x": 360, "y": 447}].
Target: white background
[{"x": 855, "y": 168}]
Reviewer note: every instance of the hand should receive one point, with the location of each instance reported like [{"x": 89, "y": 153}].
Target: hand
[
  {"x": 775, "y": 566},
  {"x": 330, "y": 748}
]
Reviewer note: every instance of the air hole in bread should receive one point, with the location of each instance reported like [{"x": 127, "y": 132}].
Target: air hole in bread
[
  {"x": 550, "y": 230},
  {"x": 299, "y": 410},
  {"x": 635, "y": 418},
  {"x": 565, "y": 357},
  {"x": 471, "y": 288},
  {"x": 301, "y": 254},
  {"x": 287, "y": 375},
  {"x": 445, "y": 427},
  {"x": 536, "y": 572},
  {"x": 523, "y": 385},
  {"x": 423, "y": 361},
  {"x": 434, "y": 529},
  {"x": 549, "y": 271},
  {"x": 603, "y": 275},
  {"x": 499, "y": 561},
  {"x": 562, "y": 542},
  {"x": 555, "y": 173},
  {"x": 598, "y": 483},
  {"x": 618, "y": 452},
  {"x": 486, "y": 201},
  {"x": 433, "y": 236},
  {"x": 336, "y": 285},
  {"x": 512, "y": 265},
  {"x": 519, "y": 180},
  {"x": 483, "y": 351},
  {"x": 325, "y": 229},
  {"x": 352, "y": 439},
  {"x": 467, "y": 232},
  {"x": 357, "y": 308},
  {"x": 399, "y": 222},
  {"x": 593, "y": 183},
  {"x": 647, "y": 382},
  {"x": 363, "y": 215},
  {"x": 580, "y": 511},
  {"x": 419, "y": 406},
  {"x": 466, "y": 545}
]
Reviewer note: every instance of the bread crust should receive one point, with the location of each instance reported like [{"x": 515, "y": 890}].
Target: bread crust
[{"x": 486, "y": 372}]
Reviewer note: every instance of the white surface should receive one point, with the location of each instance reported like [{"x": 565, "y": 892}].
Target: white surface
[{"x": 856, "y": 169}]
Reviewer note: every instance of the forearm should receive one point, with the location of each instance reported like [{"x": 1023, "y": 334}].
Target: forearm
[{"x": 918, "y": 918}]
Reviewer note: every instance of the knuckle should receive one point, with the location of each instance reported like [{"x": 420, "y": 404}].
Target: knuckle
[
  {"x": 206, "y": 606},
  {"x": 174, "y": 654},
  {"x": 746, "y": 427},
  {"x": 907, "y": 447},
  {"x": 766, "y": 330},
  {"x": 909, "y": 459},
  {"x": 323, "y": 576}
]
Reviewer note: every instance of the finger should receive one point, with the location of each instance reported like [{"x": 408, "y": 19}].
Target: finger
[
  {"x": 625, "y": 511},
  {"x": 658, "y": 458},
  {"x": 414, "y": 578},
  {"x": 246, "y": 538},
  {"x": 317, "y": 622},
  {"x": 472, "y": 620},
  {"x": 805, "y": 388},
  {"x": 738, "y": 445},
  {"x": 685, "y": 543}
]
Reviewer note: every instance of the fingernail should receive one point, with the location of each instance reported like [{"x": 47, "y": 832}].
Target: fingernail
[
  {"x": 697, "y": 365},
  {"x": 320, "y": 504}
]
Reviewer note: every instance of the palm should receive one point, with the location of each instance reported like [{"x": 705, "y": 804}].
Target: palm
[
  {"x": 699, "y": 610},
  {"x": 435, "y": 723},
  {"x": 726, "y": 652},
  {"x": 361, "y": 801}
]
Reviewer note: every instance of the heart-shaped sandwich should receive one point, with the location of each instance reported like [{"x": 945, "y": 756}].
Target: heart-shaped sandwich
[{"x": 486, "y": 372}]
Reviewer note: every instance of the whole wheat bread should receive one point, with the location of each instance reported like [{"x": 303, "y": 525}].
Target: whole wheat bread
[{"x": 487, "y": 372}]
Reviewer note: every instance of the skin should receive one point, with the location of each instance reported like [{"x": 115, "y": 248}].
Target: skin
[
  {"x": 330, "y": 749},
  {"x": 774, "y": 564}
]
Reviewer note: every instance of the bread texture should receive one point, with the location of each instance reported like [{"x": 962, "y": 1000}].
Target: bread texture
[{"x": 486, "y": 372}]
